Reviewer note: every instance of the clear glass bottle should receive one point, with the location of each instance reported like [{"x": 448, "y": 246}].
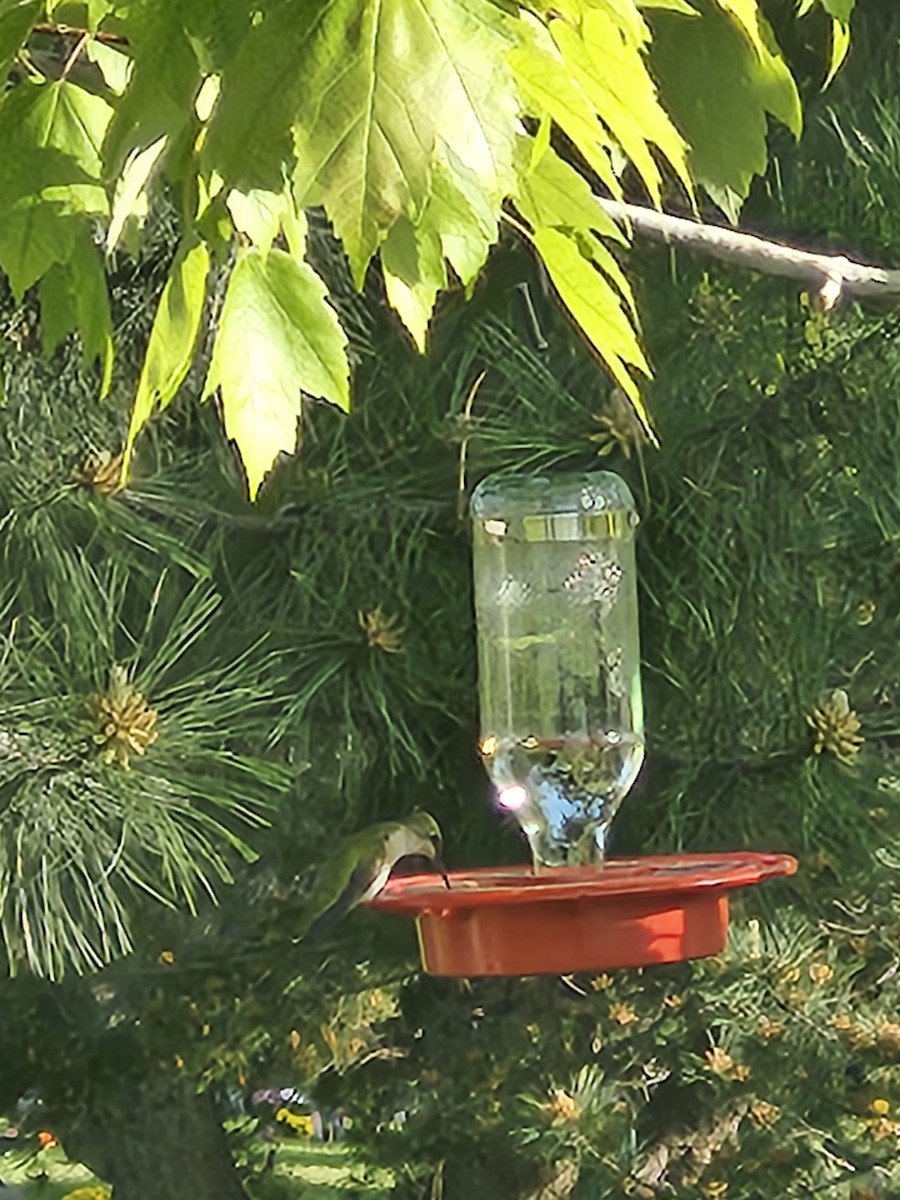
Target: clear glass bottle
[{"x": 559, "y": 656}]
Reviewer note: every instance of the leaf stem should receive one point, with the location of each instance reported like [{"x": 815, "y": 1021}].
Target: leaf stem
[
  {"x": 73, "y": 57},
  {"x": 111, "y": 39},
  {"x": 516, "y": 224},
  {"x": 25, "y": 59}
]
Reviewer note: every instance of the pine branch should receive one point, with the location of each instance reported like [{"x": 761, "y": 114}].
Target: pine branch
[{"x": 832, "y": 274}]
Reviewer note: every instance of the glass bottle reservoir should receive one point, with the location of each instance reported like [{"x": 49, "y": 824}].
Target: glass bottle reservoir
[{"x": 559, "y": 656}]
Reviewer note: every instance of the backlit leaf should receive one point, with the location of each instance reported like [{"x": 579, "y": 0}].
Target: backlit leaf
[
  {"x": 262, "y": 215},
  {"x": 159, "y": 99},
  {"x": 414, "y": 273},
  {"x": 131, "y": 203},
  {"x": 16, "y": 20},
  {"x": 277, "y": 338},
  {"x": 400, "y": 76},
  {"x": 597, "y": 309},
  {"x": 550, "y": 90},
  {"x": 460, "y": 213},
  {"x": 51, "y": 133},
  {"x": 555, "y": 195},
  {"x": 173, "y": 338},
  {"x": 774, "y": 79},
  {"x": 840, "y": 44},
  {"x": 719, "y": 89},
  {"x": 606, "y": 59},
  {"x": 114, "y": 65},
  {"x": 679, "y": 6}
]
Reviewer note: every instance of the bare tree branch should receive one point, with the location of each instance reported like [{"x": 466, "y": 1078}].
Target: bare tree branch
[{"x": 831, "y": 274}]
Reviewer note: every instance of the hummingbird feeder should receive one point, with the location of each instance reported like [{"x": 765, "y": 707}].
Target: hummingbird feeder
[{"x": 562, "y": 739}]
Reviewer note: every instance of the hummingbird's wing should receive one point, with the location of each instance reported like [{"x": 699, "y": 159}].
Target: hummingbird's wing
[
  {"x": 362, "y": 866},
  {"x": 365, "y": 881}
]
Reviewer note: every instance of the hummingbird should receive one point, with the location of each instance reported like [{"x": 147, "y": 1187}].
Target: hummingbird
[{"x": 361, "y": 866}]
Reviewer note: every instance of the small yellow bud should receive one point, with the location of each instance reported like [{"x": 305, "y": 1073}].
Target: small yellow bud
[
  {"x": 887, "y": 1036},
  {"x": 769, "y": 1029},
  {"x": 564, "y": 1106},
  {"x": 622, "y": 1014},
  {"x": 882, "y": 1128},
  {"x": 763, "y": 1113},
  {"x": 821, "y": 973},
  {"x": 715, "y": 1189},
  {"x": 719, "y": 1060}
]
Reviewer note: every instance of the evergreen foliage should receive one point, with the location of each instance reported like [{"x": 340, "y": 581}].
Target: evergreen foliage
[{"x": 328, "y": 663}]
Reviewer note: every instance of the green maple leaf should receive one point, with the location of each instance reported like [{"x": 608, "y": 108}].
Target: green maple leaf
[
  {"x": 16, "y": 20},
  {"x": 159, "y": 98},
  {"x": 721, "y": 77},
  {"x": 553, "y": 193},
  {"x": 461, "y": 214},
  {"x": 414, "y": 273},
  {"x": 551, "y": 92},
  {"x": 131, "y": 202},
  {"x": 95, "y": 10},
  {"x": 596, "y": 306},
  {"x": 249, "y": 139},
  {"x": 385, "y": 82},
  {"x": 262, "y": 215},
  {"x": 839, "y": 9},
  {"x": 458, "y": 224},
  {"x": 58, "y": 315},
  {"x": 52, "y": 134},
  {"x": 840, "y": 45},
  {"x": 173, "y": 338},
  {"x": 73, "y": 296},
  {"x": 218, "y": 30},
  {"x": 113, "y": 64},
  {"x": 50, "y": 171},
  {"x": 679, "y": 6},
  {"x": 277, "y": 338},
  {"x": 605, "y": 56},
  {"x": 31, "y": 242},
  {"x": 555, "y": 196}
]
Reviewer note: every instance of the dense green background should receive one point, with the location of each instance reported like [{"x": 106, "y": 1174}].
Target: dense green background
[{"x": 769, "y": 576}]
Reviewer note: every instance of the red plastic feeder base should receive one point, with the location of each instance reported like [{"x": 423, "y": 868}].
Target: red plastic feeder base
[{"x": 627, "y": 913}]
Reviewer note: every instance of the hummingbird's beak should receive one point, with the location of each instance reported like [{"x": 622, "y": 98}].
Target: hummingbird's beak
[{"x": 439, "y": 864}]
